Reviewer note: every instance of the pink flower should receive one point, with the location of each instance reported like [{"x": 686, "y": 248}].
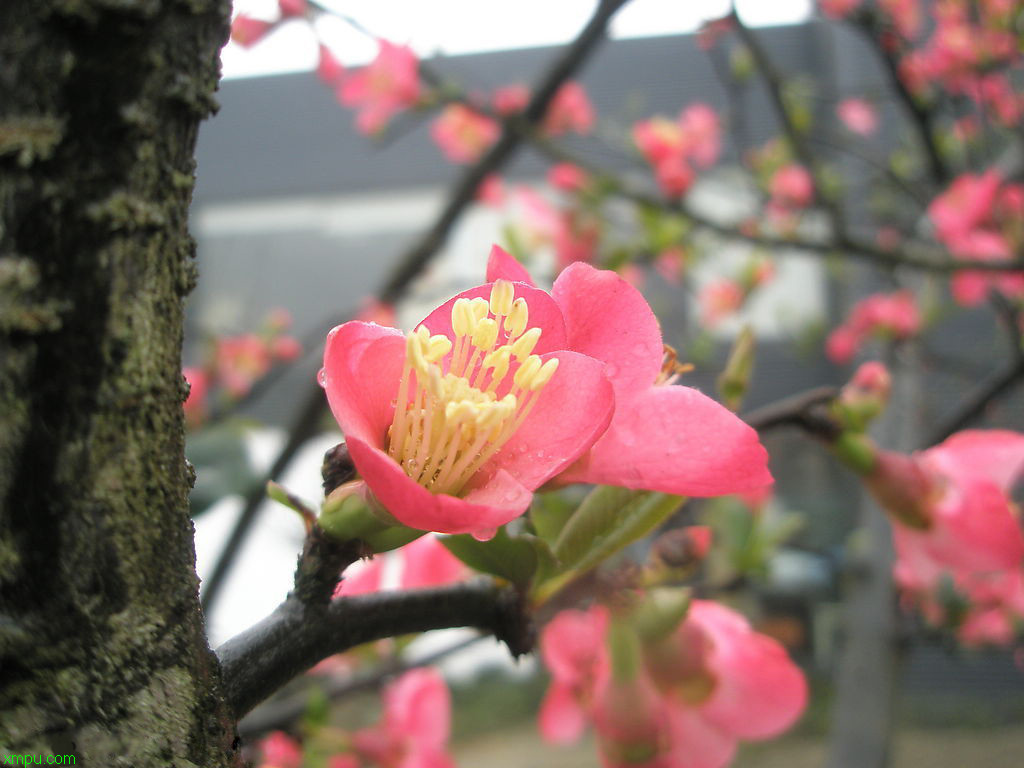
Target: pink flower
[
  {"x": 660, "y": 437},
  {"x": 293, "y": 7},
  {"x": 672, "y": 148},
  {"x": 858, "y": 115},
  {"x": 842, "y": 345},
  {"x": 964, "y": 206},
  {"x": 389, "y": 84},
  {"x": 570, "y": 111},
  {"x": 702, "y": 133},
  {"x": 414, "y": 729},
  {"x": 195, "y": 403},
  {"x": 838, "y": 9},
  {"x": 573, "y": 648},
  {"x": 285, "y": 348},
  {"x": 510, "y": 99},
  {"x": 792, "y": 187},
  {"x": 725, "y": 683},
  {"x": 491, "y": 403},
  {"x": 372, "y": 310},
  {"x": 893, "y": 315},
  {"x": 425, "y": 562},
  {"x": 719, "y": 300},
  {"x": 905, "y": 15},
  {"x": 462, "y": 133},
  {"x": 971, "y": 288},
  {"x": 247, "y": 31},
  {"x": 328, "y": 68},
  {"x": 954, "y": 517},
  {"x": 491, "y": 191},
  {"x": 504, "y": 387},
  {"x": 241, "y": 361},
  {"x": 567, "y": 177},
  {"x": 280, "y": 750}
]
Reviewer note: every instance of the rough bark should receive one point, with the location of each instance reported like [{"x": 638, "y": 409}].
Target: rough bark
[{"x": 102, "y": 649}]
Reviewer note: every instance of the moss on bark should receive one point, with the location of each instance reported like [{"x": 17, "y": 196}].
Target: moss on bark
[{"x": 102, "y": 650}]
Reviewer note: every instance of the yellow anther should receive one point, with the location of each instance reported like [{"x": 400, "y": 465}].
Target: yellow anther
[
  {"x": 517, "y": 318},
  {"x": 502, "y": 293},
  {"x": 414, "y": 349},
  {"x": 499, "y": 360},
  {"x": 459, "y": 412},
  {"x": 485, "y": 333},
  {"x": 480, "y": 307},
  {"x": 522, "y": 348},
  {"x": 462, "y": 318},
  {"x": 543, "y": 376},
  {"x": 437, "y": 347},
  {"x": 527, "y": 371}
]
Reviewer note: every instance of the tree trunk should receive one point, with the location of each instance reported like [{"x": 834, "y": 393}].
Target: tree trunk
[{"x": 102, "y": 648}]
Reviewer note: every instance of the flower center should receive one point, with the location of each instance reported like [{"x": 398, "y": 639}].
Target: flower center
[{"x": 458, "y": 404}]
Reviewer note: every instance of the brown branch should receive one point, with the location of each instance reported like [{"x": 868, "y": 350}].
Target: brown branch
[
  {"x": 293, "y": 638},
  {"x": 282, "y": 712},
  {"x": 975, "y": 403},
  {"x": 806, "y": 410}
]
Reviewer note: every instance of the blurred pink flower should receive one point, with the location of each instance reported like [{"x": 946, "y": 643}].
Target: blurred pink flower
[
  {"x": 791, "y": 186},
  {"x": 328, "y": 68},
  {"x": 570, "y": 111},
  {"x": 858, "y": 115},
  {"x": 463, "y": 134},
  {"x": 567, "y": 177},
  {"x": 719, "y": 300},
  {"x": 838, "y": 9},
  {"x": 279, "y": 750},
  {"x": 195, "y": 403},
  {"x": 510, "y": 99},
  {"x": 247, "y": 30},
  {"x": 386, "y": 86}
]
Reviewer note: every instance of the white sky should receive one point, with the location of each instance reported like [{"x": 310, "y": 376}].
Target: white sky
[{"x": 468, "y": 26}]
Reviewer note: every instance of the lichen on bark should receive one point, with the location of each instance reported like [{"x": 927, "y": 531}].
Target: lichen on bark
[{"x": 102, "y": 649}]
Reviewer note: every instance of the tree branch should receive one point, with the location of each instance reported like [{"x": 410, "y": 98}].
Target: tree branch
[
  {"x": 293, "y": 638},
  {"x": 805, "y": 410},
  {"x": 975, "y": 403}
]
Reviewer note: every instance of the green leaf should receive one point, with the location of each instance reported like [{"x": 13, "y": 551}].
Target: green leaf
[
  {"x": 512, "y": 558},
  {"x": 549, "y": 513},
  {"x": 608, "y": 520}
]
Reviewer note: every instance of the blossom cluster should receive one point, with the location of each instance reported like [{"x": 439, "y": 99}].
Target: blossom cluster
[
  {"x": 891, "y": 316},
  {"x": 979, "y": 218},
  {"x": 234, "y": 363},
  {"x": 675, "y": 147},
  {"x": 681, "y": 700}
]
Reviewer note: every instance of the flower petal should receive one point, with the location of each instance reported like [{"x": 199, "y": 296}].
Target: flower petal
[
  {"x": 573, "y": 410},
  {"x": 502, "y": 265},
  {"x": 501, "y": 499},
  {"x": 608, "y": 319},
  {"x": 428, "y": 563},
  {"x": 561, "y": 718},
  {"x": 676, "y": 440},
  {"x": 544, "y": 314},
  {"x": 362, "y": 366},
  {"x": 696, "y": 743},
  {"x": 976, "y": 529},
  {"x": 759, "y": 691},
  {"x": 417, "y": 709},
  {"x": 996, "y": 454}
]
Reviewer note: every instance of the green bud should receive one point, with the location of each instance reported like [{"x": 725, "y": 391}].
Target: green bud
[{"x": 661, "y": 612}]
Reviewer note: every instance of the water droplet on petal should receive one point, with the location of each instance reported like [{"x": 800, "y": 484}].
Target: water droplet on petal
[{"x": 321, "y": 376}]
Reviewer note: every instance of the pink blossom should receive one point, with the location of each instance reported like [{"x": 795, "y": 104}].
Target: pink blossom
[
  {"x": 372, "y": 310},
  {"x": 905, "y": 15},
  {"x": 838, "y": 9},
  {"x": 702, "y": 132},
  {"x": 792, "y": 187},
  {"x": 195, "y": 403},
  {"x": 893, "y": 315},
  {"x": 842, "y": 345},
  {"x": 727, "y": 683},
  {"x": 495, "y": 442},
  {"x": 964, "y": 206},
  {"x": 279, "y": 750},
  {"x": 671, "y": 263},
  {"x": 510, "y": 99},
  {"x": 954, "y": 517},
  {"x": 673, "y": 148},
  {"x": 573, "y": 648},
  {"x": 463, "y": 134},
  {"x": 570, "y": 111},
  {"x": 858, "y": 115},
  {"x": 426, "y": 562},
  {"x": 285, "y": 348},
  {"x": 567, "y": 177},
  {"x": 674, "y": 176},
  {"x": 658, "y": 437},
  {"x": 415, "y": 725},
  {"x": 241, "y": 361},
  {"x": 293, "y": 7},
  {"x": 719, "y": 300},
  {"x": 389, "y": 84},
  {"x": 971, "y": 288},
  {"x": 247, "y": 30},
  {"x": 329, "y": 69},
  {"x": 491, "y": 190}
]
